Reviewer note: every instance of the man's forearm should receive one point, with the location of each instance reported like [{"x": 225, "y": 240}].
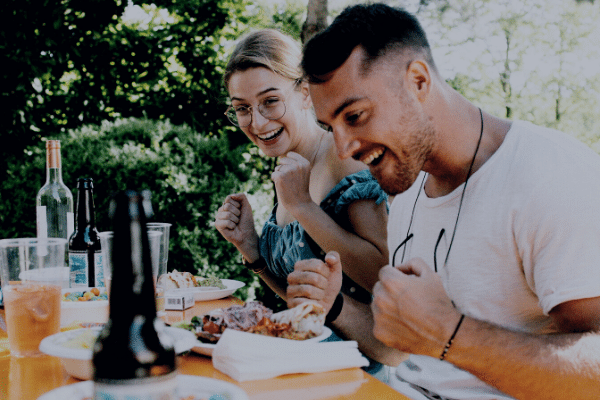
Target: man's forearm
[
  {"x": 526, "y": 366},
  {"x": 355, "y": 322}
]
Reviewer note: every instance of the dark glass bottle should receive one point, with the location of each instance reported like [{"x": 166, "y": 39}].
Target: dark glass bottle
[
  {"x": 85, "y": 250},
  {"x": 133, "y": 359}
]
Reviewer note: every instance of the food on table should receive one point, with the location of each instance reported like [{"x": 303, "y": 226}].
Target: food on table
[
  {"x": 177, "y": 280},
  {"x": 211, "y": 281},
  {"x": 182, "y": 280},
  {"x": 299, "y": 323},
  {"x": 85, "y": 340},
  {"x": 90, "y": 295},
  {"x": 305, "y": 321}
]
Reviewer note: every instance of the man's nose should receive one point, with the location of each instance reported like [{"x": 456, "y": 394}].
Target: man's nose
[{"x": 345, "y": 143}]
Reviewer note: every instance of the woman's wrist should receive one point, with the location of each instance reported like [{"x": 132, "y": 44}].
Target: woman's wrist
[{"x": 257, "y": 266}]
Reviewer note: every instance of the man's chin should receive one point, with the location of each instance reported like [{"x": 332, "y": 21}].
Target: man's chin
[{"x": 392, "y": 184}]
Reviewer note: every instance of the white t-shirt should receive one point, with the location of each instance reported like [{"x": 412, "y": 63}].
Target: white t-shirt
[{"x": 528, "y": 239}]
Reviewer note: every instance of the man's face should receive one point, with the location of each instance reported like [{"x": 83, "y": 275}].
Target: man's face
[{"x": 376, "y": 119}]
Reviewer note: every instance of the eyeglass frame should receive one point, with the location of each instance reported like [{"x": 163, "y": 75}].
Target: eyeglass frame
[{"x": 251, "y": 108}]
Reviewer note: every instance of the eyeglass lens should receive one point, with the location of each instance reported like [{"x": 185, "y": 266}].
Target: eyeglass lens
[{"x": 271, "y": 108}]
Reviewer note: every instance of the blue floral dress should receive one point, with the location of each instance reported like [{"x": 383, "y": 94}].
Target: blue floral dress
[{"x": 282, "y": 247}]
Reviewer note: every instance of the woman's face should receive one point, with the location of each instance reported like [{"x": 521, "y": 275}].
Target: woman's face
[{"x": 259, "y": 86}]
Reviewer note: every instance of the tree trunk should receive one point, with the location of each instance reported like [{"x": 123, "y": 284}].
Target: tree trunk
[{"x": 316, "y": 19}]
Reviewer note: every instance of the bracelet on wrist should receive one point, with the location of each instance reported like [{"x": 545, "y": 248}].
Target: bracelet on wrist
[
  {"x": 447, "y": 346},
  {"x": 258, "y": 267},
  {"x": 335, "y": 309}
]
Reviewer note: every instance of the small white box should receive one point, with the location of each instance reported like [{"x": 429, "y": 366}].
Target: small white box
[{"x": 181, "y": 301}]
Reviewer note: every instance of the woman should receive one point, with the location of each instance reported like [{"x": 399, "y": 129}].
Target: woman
[{"x": 324, "y": 203}]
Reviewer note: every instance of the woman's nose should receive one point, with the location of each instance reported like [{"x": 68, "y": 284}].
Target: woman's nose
[{"x": 258, "y": 120}]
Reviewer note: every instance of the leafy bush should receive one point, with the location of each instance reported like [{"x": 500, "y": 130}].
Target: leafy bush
[{"x": 188, "y": 175}]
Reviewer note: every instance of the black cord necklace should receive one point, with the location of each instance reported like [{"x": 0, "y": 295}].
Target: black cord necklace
[{"x": 410, "y": 235}]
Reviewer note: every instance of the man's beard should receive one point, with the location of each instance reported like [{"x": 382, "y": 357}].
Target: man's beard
[
  {"x": 403, "y": 174},
  {"x": 397, "y": 182}
]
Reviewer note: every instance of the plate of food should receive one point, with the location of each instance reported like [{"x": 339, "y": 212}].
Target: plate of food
[
  {"x": 204, "y": 289},
  {"x": 188, "y": 388},
  {"x": 74, "y": 347},
  {"x": 304, "y": 323}
]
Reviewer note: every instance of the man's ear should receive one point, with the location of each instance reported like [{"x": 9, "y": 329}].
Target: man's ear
[
  {"x": 418, "y": 79},
  {"x": 306, "y": 100}
]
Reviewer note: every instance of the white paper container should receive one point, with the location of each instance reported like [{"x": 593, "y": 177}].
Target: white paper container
[{"x": 83, "y": 311}]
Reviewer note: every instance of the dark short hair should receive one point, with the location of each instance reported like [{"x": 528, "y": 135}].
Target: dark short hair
[{"x": 377, "y": 28}]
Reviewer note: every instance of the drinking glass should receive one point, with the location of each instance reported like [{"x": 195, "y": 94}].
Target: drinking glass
[
  {"x": 163, "y": 227},
  {"x": 33, "y": 274},
  {"x": 106, "y": 239}
]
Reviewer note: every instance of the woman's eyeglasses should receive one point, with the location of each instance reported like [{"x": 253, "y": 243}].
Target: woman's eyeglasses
[{"x": 272, "y": 107}]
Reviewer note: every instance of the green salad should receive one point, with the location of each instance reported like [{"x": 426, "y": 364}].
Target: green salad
[{"x": 211, "y": 281}]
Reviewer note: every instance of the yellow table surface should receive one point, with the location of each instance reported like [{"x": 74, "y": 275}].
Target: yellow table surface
[{"x": 28, "y": 378}]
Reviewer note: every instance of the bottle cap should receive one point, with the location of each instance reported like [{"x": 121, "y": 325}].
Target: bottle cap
[
  {"x": 85, "y": 183},
  {"x": 52, "y": 144}
]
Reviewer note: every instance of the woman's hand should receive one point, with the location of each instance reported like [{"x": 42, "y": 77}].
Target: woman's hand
[
  {"x": 235, "y": 222},
  {"x": 291, "y": 178},
  {"x": 315, "y": 280}
]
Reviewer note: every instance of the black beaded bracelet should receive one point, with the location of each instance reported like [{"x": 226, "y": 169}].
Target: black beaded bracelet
[
  {"x": 336, "y": 309},
  {"x": 447, "y": 346},
  {"x": 259, "y": 266}
]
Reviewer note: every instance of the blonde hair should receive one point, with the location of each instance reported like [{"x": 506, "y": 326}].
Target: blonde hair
[{"x": 268, "y": 48}]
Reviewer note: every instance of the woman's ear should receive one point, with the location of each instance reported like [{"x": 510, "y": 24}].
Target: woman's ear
[{"x": 306, "y": 100}]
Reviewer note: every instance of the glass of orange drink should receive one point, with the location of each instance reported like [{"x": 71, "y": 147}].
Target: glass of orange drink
[{"x": 33, "y": 275}]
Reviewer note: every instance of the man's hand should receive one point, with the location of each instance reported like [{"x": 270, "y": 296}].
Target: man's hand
[
  {"x": 411, "y": 309},
  {"x": 235, "y": 222},
  {"x": 315, "y": 280}
]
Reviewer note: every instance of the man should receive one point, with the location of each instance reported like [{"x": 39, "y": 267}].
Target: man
[{"x": 494, "y": 233}]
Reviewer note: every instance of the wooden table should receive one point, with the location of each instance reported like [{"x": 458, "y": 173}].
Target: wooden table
[{"x": 28, "y": 378}]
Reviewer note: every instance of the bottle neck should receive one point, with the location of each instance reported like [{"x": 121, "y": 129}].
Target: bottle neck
[
  {"x": 85, "y": 209},
  {"x": 53, "y": 166},
  {"x": 132, "y": 279},
  {"x": 54, "y": 175}
]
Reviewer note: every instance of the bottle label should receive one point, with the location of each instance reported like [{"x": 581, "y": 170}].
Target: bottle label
[
  {"x": 79, "y": 271},
  {"x": 42, "y": 223},
  {"x": 70, "y": 224},
  {"x": 154, "y": 388}
]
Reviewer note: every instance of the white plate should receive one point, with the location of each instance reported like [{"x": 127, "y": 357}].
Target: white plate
[
  {"x": 206, "y": 349},
  {"x": 187, "y": 385},
  {"x": 78, "y": 362},
  {"x": 205, "y": 294}
]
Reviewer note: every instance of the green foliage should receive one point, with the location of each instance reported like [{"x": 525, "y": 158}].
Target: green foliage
[
  {"x": 188, "y": 175},
  {"x": 78, "y": 62}
]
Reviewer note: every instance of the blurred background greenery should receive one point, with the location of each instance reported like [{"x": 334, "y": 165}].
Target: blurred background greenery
[{"x": 133, "y": 90}]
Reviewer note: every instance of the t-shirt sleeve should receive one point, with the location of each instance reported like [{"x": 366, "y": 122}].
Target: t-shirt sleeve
[{"x": 561, "y": 251}]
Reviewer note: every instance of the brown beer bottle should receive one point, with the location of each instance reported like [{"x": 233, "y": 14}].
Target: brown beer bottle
[
  {"x": 85, "y": 251},
  {"x": 133, "y": 359}
]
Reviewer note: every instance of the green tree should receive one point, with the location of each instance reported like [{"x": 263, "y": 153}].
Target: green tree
[
  {"x": 531, "y": 61},
  {"x": 77, "y": 62}
]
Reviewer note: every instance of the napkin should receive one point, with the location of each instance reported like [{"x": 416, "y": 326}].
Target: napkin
[{"x": 247, "y": 356}]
